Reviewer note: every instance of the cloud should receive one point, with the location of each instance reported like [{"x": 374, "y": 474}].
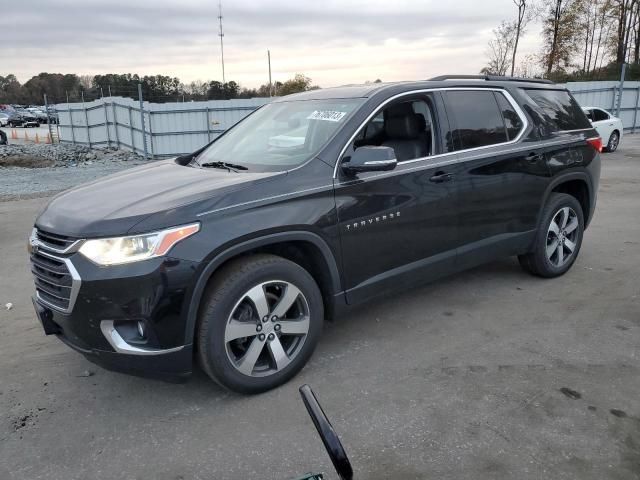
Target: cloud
[{"x": 334, "y": 42}]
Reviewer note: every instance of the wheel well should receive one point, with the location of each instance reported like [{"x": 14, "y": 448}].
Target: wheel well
[
  {"x": 305, "y": 254},
  {"x": 579, "y": 190}
]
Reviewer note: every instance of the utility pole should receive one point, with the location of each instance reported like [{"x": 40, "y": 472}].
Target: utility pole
[
  {"x": 269, "y": 60},
  {"x": 221, "y": 34}
]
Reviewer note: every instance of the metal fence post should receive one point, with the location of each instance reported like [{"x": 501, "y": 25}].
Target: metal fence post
[
  {"x": 133, "y": 142},
  {"x": 613, "y": 99},
  {"x": 208, "y": 124},
  {"x": 115, "y": 119},
  {"x": 635, "y": 112},
  {"x": 73, "y": 135},
  {"x": 46, "y": 107},
  {"x": 144, "y": 133},
  {"x": 621, "y": 89},
  {"x": 106, "y": 118},
  {"x": 86, "y": 119},
  {"x": 151, "y": 135}
]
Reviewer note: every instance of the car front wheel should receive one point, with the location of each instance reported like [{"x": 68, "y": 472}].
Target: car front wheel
[
  {"x": 558, "y": 239},
  {"x": 259, "y": 323}
]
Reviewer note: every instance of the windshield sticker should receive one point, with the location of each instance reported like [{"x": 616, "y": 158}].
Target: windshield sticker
[{"x": 326, "y": 115}]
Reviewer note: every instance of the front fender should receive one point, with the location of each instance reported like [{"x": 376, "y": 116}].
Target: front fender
[{"x": 246, "y": 246}]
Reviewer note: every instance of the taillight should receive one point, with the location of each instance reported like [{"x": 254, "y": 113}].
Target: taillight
[{"x": 595, "y": 142}]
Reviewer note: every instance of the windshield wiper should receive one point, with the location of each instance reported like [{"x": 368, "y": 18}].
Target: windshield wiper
[{"x": 232, "y": 167}]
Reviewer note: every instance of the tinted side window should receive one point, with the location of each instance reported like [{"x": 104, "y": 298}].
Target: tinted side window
[
  {"x": 589, "y": 114},
  {"x": 599, "y": 115},
  {"x": 559, "y": 109},
  {"x": 511, "y": 119},
  {"x": 477, "y": 118}
]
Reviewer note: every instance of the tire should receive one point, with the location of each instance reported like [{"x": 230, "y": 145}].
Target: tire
[
  {"x": 612, "y": 144},
  {"x": 227, "y": 314},
  {"x": 545, "y": 260}
]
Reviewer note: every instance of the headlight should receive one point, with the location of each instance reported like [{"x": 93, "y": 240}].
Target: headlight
[{"x": 118, "y": 250}]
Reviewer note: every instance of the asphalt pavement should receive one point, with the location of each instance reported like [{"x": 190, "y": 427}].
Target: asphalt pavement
[{"x": 487, "y": 374}]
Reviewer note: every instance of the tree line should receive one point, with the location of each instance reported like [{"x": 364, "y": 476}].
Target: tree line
[
  {"x": 155, "y": 88},
  {"x": 581, "y": 40}
]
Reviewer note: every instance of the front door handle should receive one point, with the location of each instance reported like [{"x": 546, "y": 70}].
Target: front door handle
[{"x": 441, "y": 177}]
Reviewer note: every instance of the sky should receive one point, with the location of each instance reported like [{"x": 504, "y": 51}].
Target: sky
[{"x": 334, "y": 42}]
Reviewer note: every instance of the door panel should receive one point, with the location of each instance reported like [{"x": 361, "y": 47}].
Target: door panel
[
  {"x": 399, "y": 228},
  {"x": 396, "y": 227},
  {"x": 500, "y": 193}
]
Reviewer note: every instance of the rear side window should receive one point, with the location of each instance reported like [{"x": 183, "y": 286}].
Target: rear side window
[
  {"x": 512, "y": 120},
  {"x": 477, "y": 118},
  {"x": 599, "y": 115},
  {"x": 559, "y": 108}
]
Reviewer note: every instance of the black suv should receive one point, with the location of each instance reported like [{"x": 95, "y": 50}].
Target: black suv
[{"x": 235, "y": 254}]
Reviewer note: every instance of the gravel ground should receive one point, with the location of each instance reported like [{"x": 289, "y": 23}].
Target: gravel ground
[{"x": 67, "y": 166}]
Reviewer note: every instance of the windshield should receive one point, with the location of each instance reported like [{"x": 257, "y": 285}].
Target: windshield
[{"x": 281, "y": 135}]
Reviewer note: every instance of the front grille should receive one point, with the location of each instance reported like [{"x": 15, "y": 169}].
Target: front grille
[
  {"x": 54, "y": 241},
  {"x": 55, "y": 284}
]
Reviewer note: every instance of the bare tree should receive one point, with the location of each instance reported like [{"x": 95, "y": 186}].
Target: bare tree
[
  {"x": 594, "y": 18},
  {"x": 605, "y": 18},
  {"x": 86, "y": 81},
  {"x": 626, "y": 12},
  {"x": 529, "y": 67},
  {"x": 560, "y": 31},
  {"x": 636, "y": 50},
  {"x": 500, "y": 49},
  {"x": 521, "y": 22}
]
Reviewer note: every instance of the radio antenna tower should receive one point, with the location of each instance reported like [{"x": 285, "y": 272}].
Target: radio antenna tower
[{"x": 221, "y": 35}]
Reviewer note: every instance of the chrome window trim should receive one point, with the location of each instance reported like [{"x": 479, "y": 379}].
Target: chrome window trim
[
  {"x": 121, "y": 346},
  {"x": 523, "y": 147},
  {"x": 575, "y": 130},
  {"x": 510, "y": 99},
  {"x": 76, "y": 281}
]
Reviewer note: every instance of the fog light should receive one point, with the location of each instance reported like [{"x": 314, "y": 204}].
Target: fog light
[{"x": 141, "y": 331}]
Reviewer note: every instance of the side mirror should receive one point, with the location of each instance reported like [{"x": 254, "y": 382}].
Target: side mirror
[{"x": 371, "y": 159}]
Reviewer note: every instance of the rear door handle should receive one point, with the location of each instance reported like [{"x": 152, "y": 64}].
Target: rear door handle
[
  {"x": 534, "y": 157},
  {"x": 441, "y": 177}
]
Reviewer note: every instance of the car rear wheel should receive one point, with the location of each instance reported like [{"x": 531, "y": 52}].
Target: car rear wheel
[
  {"x": 259, "y": 323},
  {"x": 558, "y": 239},
  {"x": 614, "y": 140}
]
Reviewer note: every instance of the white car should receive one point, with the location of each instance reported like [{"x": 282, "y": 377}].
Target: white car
[
  {"x": 609, "y": 127},
  {"x": 4, "y": 119}
]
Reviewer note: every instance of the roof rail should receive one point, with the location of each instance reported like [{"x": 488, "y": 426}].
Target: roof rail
[{"x": 495, "y": 78}]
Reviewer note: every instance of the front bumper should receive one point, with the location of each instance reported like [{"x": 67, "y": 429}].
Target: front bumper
[{"x": 102, "y": 321}]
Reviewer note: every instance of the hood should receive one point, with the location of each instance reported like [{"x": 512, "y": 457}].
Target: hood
[{"x": 113, "y": 205}]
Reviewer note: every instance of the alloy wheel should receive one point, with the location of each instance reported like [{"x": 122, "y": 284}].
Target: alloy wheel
[
  {"x": 267, "y": 328},
  {"x": 613, "y": 142},
  {"x": 562, "y": 236}
]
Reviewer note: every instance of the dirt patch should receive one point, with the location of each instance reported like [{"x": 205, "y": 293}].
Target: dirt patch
[{"x": 25, "y": 161}]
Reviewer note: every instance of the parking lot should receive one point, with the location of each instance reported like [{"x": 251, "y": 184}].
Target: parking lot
[{"x": 488, "y": 374}]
